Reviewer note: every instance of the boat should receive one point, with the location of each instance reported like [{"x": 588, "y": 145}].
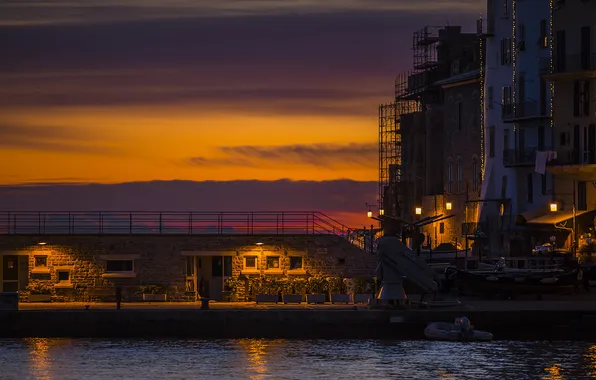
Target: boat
[
  {"x": 459, "y": 331},
  {"x": 512, "y": 281}
]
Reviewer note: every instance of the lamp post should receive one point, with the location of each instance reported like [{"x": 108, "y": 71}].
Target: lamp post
[{"x": 554, "y": 207}]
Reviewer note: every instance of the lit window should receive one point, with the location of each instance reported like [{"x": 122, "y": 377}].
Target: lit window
[
  {"x": 295, "y": 262},
  {"x": 41, "y": 261},
  {"x": 272, "y": 262},
  {"x": 63, "y": 277},
  {"x": 250, "y": 262}
]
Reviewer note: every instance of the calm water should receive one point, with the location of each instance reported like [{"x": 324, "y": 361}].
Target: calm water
[{"x": 66, "y": 359}]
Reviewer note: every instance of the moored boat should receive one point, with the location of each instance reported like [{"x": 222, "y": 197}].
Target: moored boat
[{"x": 459, "y": 331}]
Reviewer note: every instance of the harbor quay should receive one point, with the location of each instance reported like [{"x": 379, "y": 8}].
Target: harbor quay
[{"x": 507, "y": 320}]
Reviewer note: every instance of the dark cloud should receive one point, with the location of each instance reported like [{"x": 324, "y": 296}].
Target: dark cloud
[
  {"x": 50, "y": 138},
  {"x": 341, "y": 63},
  {"x": 320, "y": 155},
  {"x": 335, "y": 197}
]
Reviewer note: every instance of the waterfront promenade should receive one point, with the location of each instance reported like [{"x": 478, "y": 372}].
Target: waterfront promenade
[{"x": 569, "y": 318}]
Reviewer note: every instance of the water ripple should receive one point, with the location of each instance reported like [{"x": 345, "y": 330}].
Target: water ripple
[{"x": 91, "y": 359}]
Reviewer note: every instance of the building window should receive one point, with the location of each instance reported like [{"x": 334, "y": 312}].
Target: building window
[
  {"x": 295, "y": 262},
  {"x": 521, "y": 43},
  {"x": 475, "y": 176},
  {"x": 41, "y": 261},
  {"x": 504, "y": 187},
  {"x": 449, "y": 177},
  {"x": 491, "y": 141},
  {"x": 506, "y": 8},
  {"x": 543, "y": 39},
  {"x": 460, "y": 114},
  {"x": 273, "y": 262},
  {"x": 543, "y": 184},
  {"x": 190, "y": 265},
  {"x": 460, "y": 176},
  {"x": 119, "y": 265},
  {"x": 506, "y": 51},
  {"x": 582, "y": 203},
  {"x": 506, "y": 100},
  {"x": 250, "y": 262},
  {"x": 489, "y": 97},
  {"x": 63, "y": 276},
  {"x": 530, "y": 188}
]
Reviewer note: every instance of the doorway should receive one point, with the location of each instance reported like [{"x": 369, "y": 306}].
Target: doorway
[
  {"x": 221, "y": 269},
  {"x": 15, "y": 273}
]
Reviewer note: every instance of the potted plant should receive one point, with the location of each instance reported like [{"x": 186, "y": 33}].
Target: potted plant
[
  {"x": 39, "y": 292},
  {"x": 265, "y": 289},
  {"x": 233, "y": 285},
  {"x": 362, "y": 291},
  {"x": 316, "y": 288},
  {"x": 337, "y": 290},
  {"x": 154, "y": 293},
  {"x": 294, "y": 290}
]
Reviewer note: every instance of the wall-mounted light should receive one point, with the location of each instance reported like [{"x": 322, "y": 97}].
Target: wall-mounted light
[
  {"x": 418, "y": 210},
  {"x": 259, "y": 244},
  {"x": 554, "y": 207},
  {"x": 381, "y": 212},
  {"x": 42, "y": 243},
  {"x": 448, "y": 206},
  {"x": 369, "y": 214}
]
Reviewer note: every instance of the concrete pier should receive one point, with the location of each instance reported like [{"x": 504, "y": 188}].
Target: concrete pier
[{"x": 575, "y": 322}]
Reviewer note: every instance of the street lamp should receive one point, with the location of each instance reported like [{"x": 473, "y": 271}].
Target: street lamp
[
  {"x": 554, "y": 207},
  {"x": 418, "y": 210},
  {"x": 381, "y": 212},
  {"x": 448, "y": 206}
]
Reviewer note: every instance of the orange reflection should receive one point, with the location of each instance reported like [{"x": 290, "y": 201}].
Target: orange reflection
[
  {"x": 40, "y": 361},
  {"x": 591, "y": 356},
  {"x": 257, "y": 351},
  {"x": 553, "y": 372}
]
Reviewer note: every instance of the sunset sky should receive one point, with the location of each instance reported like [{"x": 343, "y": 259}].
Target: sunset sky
[{"x": 112, "y": 92}]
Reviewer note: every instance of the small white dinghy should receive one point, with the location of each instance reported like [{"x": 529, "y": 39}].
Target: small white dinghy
[{"x": 460, "y": 331}]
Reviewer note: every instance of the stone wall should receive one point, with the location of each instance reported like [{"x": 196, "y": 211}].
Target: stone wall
[{"x": 161, "y": 259}]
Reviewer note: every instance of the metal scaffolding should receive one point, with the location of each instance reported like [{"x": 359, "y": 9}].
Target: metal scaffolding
[{"x": 389, "y": 157}]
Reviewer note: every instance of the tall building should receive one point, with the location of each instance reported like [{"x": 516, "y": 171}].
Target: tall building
[
  {"x": 437, "y": 100},
  {"x": 572, "y": 71},
  {"x": 517, "y": 124}
]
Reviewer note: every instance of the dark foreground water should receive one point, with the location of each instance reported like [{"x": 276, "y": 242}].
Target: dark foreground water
[{"x": 66, "y": 359}]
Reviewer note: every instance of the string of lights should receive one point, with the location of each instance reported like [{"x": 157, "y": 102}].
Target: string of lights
[
  {"x": 551, "y": 61},
  {"x": 482, "y": 109},
  {"x": 514, "y": 57}
]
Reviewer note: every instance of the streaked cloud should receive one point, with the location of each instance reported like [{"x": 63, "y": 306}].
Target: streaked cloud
[
  {"x": 318, "y": 155},
  {"x": 18, "y": 13},
  {"x": 51, "y": 138}
]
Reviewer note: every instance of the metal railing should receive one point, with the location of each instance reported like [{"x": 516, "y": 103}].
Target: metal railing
[
  {"x": 571, "y": 63},
  {"x": 474, "y": 229},
  {"x": 525, "y": 109},
  {"x": 521, "y": 157},
  {"x": 147, "y": 222}
]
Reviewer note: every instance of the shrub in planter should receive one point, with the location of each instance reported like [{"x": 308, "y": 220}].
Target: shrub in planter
[
  {"x": 294, "y": 289},
  {"x": 362, "y": 289},
  {"x": 338, "y": 290},
  {"x": 317, "y": 287},
  {"x": 39, "y": 292},
  {"x": 153, "y": 293},
  {"x": 234, "y": 285},
  {"x": 266, "y": 289}
]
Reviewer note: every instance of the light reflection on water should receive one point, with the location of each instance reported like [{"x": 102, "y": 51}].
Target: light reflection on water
[{"x": 66, "y": 359}]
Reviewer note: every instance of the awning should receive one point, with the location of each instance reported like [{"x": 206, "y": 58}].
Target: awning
[{"x": 555, "y": 217}]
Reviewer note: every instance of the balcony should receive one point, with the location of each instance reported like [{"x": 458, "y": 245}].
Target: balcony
[
  {"x": 573, "y": 66},
  {"x": 523, "y": 111},
  {"x": 573, "y": 157},
  {"x": 521, "y": 157}
]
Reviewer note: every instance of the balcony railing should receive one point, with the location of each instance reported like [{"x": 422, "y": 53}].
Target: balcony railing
[
  {"x": 573, "y": 157},
  {"x": 528, "y": 109},
  {"x": 195, "y": 223},
  {"x": 572, "y": 63},
  {"x": 521, "y": 157}
]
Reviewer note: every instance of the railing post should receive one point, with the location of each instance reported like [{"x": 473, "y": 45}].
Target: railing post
[
  {"x": 220, "y": 224},
  {"x": 130, "y": 223},
  {"x": 73, "y": 224},
  {"x": 306, "y": 224},
  {"x": 276, "y": 223},
  {"x": 160, "y": 223},
  {"x": 190, "y": 223},
  {"x": 14, "y": 223},
  {"x": 69, "y": 229},
  {"x": 252, "y": 223},
  {"x": 282, "y": 223},
  {"x": 100, "y": 226},
  {"x": 39, "y": 222}
]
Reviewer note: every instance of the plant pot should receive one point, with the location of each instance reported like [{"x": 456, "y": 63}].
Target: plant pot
[
  {"x": 315, "y": 298},
  {"x": 39, "y": 298},
  {"x": 261, "y": 298},
  {"x": 341, "y": 298},
  {"x": 292, "y": 298},
  {"x": 234, "y": 297},
  {"x": 155, "y": 297},
  {"x": 361, "y": 298}
]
